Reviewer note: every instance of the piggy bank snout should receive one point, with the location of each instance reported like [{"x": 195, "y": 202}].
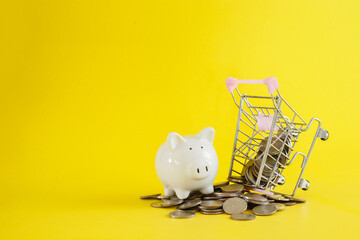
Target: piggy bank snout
[{"x": 200, "y": 170}]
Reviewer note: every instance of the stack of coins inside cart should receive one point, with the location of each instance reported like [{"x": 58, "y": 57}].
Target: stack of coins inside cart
[
  {"x": 277, "y": 156},
  {"x": 240, "y": 201}
]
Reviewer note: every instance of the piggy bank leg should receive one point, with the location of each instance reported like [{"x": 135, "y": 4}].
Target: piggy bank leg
[
  {"x": 168, "y": 191},
  {"x": 182, "y": 194},
  {"x": 207, "y": 190}
]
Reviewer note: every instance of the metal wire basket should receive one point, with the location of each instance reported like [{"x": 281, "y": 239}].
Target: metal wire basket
[{"x": 267, "y": 131}]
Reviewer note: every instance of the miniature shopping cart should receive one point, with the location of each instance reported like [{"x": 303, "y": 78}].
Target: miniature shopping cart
[{"x": 266, "y": 133}]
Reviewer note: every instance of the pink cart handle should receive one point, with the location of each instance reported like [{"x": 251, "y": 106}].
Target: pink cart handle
[{"x": 271, "y": 83}]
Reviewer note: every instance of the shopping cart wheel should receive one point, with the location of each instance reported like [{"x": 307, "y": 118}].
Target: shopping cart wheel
[
  {"x": 323, "y": 134},
  {"x": 304, "y": 184},
  {"x": 281, "y": 180}
]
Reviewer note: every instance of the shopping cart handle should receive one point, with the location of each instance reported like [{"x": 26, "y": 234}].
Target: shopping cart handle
[{"x": 271, "y": 83}]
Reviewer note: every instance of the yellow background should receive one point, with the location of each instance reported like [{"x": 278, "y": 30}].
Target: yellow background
[{"x": 90, "y": 89}]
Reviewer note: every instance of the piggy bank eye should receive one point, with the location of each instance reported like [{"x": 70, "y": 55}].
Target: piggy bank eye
[
  {"x": 190, "y": 148},
  {"x": 202, "y": 147}
]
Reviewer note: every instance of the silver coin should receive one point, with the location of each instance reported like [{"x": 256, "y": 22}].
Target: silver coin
[
  {"x": 193, "y": 209},
  {"x": 258, "y": 202},
  {"x": 221, "y": 184},
  {"x": 161, "y": 197},
  {"x": 252, "y": 186},
  {"x": 157, "y": 204},
  {"x": 264, "y": 210},
  {"x": 279, "y": 206},
  {"x": 227, "y": 194},
  {"x": 174, "y": 198},
  {"x": 277, "y": 193},
  {"x": 289, "y": 203},
  {"x": 236, "y": 179},
  {"x": 189, "y": 200},
  {"x": 212, "y": 210},
  {"x": 211, "y": 204},
  {"x": 248, "y": 175},
  {"x": 253, "y": 175},
  {"x": 211, "y": 198},
  {"x": 295, "y": 199},
  {"x": 276, "y": 145},
  {"x": 233, "y": 188},
  {"x": 235, "y": 205},
  {"x": 258, "y": 190},
  {"x": 282, "y": 199},
  {"x": 223, "y": 199},
  {"x": 166, "y": 203},
  {"x": 242, "y": 217},
  {"x": 212, "y": 213},
  {"x": 153, "y": 196},
  {"x": 194, "y": 195},
  {"x": 182, "y": 214},
  {"x": 190, "y": 204},
  {"x": 277, "y": 197},
  {"x": 254, "y": 197},
  {"x": 266, "y": 173}
]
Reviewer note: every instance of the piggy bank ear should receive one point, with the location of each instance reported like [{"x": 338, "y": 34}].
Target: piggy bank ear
[
  {"x": 173, "y": 140},
  {"x": 207, "y": 133}
]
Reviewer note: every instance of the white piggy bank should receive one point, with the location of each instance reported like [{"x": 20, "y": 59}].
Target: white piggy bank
[{"x": 187, "y": 163}]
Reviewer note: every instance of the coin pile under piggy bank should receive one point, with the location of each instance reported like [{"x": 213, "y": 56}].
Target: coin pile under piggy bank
[{"x": 232, "y": 199}]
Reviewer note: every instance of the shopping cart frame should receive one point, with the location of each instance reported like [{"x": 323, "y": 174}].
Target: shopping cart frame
[{"x": 289, "y": 129}]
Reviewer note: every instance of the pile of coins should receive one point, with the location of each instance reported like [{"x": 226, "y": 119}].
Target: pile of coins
[
  {"x": 233, "y": 199},
  {"x": 252, "y": 168}
]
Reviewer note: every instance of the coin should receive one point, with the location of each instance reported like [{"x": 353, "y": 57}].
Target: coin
[
  {"x": 172, "y": 202},
  {"x": 190, "y": 204},
  {"x": 236, "y": 179},
  {"x": 295, "y": 199},
  {"x": 278, "y": 193},
  {"x": 276, "y": 145},
  {"x": 166, "y": 203},
  {"x": 211, "y": 204},
  {"x": 194, "y": 195},
  {"x": 211, "y": 198},
  {"x": 248, "y": 175},
  {"x": 157, "y": 204},
  {"x": 275, "y": 197},
  {"x": 162, "y": 197},
  {"x": 242, "y": 216},
  {"x": 233, "y": 188},
  {"x": 234, "y": 205},
  {"x": 189, "y": 200},
  {"x": 223, "y": 199},
  {"x": 278, "y": 206},
  {"x": 289, "y": 203},
  {"x": 194, "y": 209},
  {"x": 227, "y": 194},
  {"x": 255, "y": 197},
  {"x": 263, "y": 210},
  {"x": 221, "y": 184},
  {"x": 174, "y": 198},
  {"x": 220, "y": 211},
  {"x": 182, "y": 214},
  {"x": 258, "y": 202},
  {"x": 282, "y": 199},
  {"x": 153, "y": 196},
  {"x": 251, "y": 185},
  {"x": 258, "y": 190}
]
